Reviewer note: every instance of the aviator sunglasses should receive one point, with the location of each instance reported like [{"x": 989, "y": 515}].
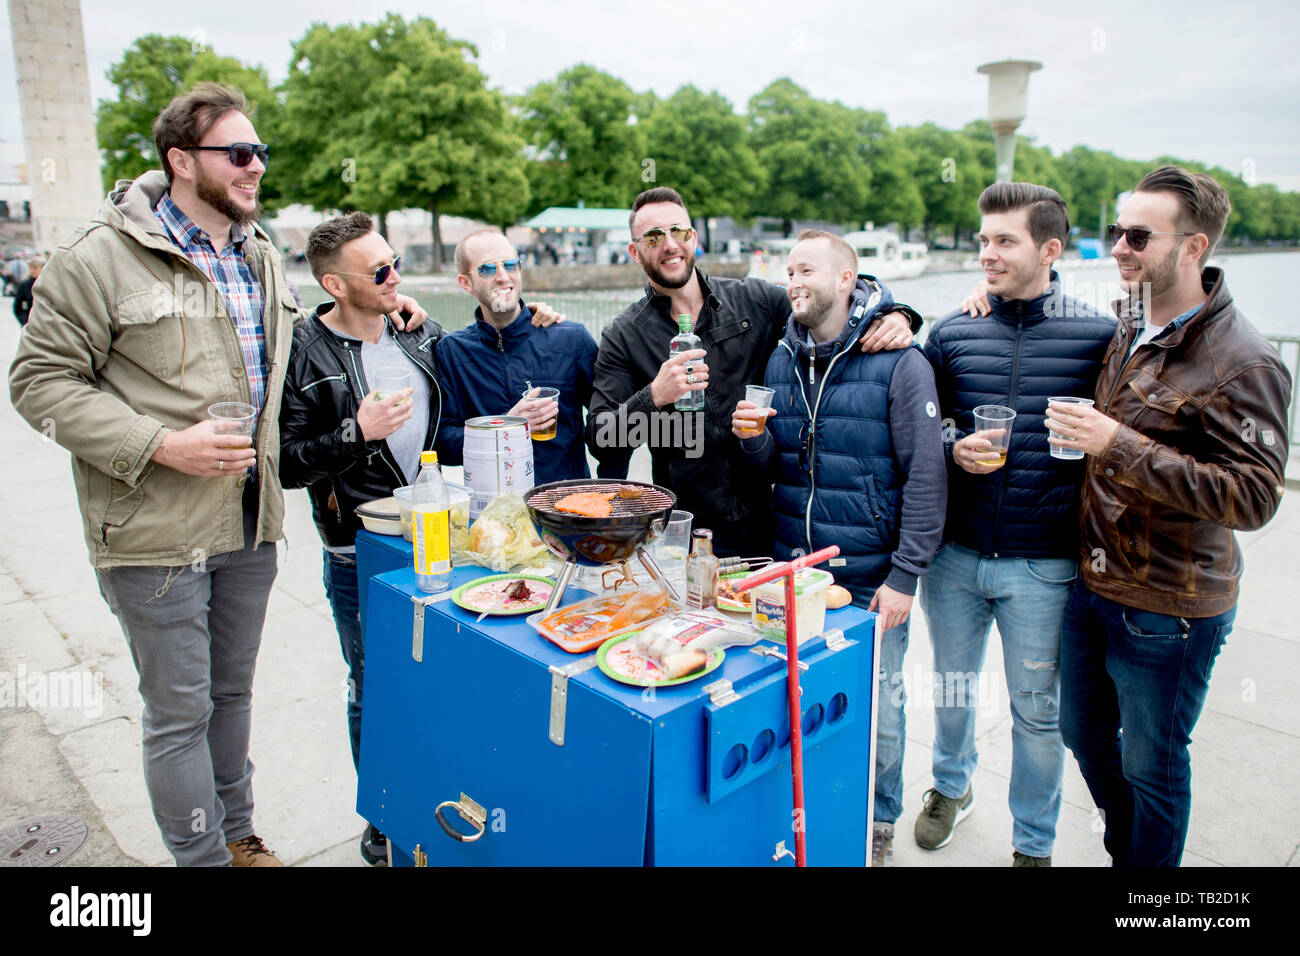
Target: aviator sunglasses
[
  {"x": 1137, "y": 237},
  {"x": 380, "y": 275},
  {"x": 240, "y": 154},
  {"x": 654, "y": 237},
  {"x": 488, "y": 269}
]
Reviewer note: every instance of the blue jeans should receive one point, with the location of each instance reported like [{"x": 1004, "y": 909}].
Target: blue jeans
[
  {"x": 962, "y": 595},
  {"x": 1133, "y": 686},
  {"x": 891, "y": 724},
  {"x": 341, "y": 589}
]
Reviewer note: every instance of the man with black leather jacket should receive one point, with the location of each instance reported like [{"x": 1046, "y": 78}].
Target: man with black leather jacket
[
  {"x": 635, "y": 383},
  {"x": 338, "y": 438}
]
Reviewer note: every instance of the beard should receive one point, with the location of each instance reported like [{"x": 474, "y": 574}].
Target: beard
[
  {"x": 501, "y": 301},
  {"x": 1158, "y": 278},
  {"x": 656, "y": 275},
  {"x": 212, "y": 193},
  {"x": 816, "y": 310}
]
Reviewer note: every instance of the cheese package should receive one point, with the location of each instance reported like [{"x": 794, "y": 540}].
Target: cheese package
[{"x": 768, "y": 611}]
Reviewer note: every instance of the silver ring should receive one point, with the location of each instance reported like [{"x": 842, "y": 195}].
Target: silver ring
[
  {"x": 220, "y": 464},
  {"x": 690, "y": 379}
]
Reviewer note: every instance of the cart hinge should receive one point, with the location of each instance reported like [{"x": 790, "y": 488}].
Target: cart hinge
[
  {"x": 421, "y": 601},
  {"x": 721, "y": 693},
  {"x": 835, "y": 640},
  {"x": 560, "y": 694},
  {"x": 419, "y": 856},
  {"x": 767, "y": 650}
]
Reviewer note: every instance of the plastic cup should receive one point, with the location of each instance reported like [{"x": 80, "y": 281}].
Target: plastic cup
[
  {"x": 553, "y": 394},
  {"x": 994, "y": 423},
  {"x": 762, "y": 399},
  {"x": 1066, "y": 454},
  {"x": 238, "y": 418},
  {"x": 673, "y": 544},
  {"x": 389, "y": 380}
]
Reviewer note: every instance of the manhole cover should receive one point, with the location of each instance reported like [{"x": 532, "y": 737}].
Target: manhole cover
[{"x": 41, "y": 842}]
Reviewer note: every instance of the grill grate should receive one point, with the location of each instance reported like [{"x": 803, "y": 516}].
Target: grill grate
[{"x": 650, "y": 501}]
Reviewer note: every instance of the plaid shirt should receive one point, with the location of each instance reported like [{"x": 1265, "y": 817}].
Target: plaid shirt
[{"x": 230, "y": 273}]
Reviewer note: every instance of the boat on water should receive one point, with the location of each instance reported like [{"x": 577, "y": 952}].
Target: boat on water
[{"x": 881, "y": 253}]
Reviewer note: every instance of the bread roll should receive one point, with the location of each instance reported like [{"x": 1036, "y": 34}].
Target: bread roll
[{"x": 837, "y": 596}]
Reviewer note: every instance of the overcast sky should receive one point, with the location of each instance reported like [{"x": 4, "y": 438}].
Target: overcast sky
[{"x": 1217, "y": 82}]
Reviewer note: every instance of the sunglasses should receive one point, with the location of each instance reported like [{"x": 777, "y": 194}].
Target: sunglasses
[
  {"x": 380, "y": 275},
  {"x": 488, "y": 269},
  {"x": 656, "y": 236},
  {"x": 240, "y": 154},
  {"x": 1137, "y": 238}
]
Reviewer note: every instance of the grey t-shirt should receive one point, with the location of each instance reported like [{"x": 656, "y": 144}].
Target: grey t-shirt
[{"x": 408, "y": 441}]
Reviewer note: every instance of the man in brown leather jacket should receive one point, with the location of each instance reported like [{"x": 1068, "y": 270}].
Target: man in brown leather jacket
[{"x": 1187, "y": 443}]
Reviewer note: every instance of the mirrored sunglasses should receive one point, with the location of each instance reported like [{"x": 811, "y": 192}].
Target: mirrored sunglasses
[
  {"x": 488, "y": 269},
  {"x": 656, "y": 236}
]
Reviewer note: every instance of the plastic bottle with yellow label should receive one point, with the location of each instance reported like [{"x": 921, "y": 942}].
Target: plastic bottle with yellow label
[{"x": 431, "y": 526}]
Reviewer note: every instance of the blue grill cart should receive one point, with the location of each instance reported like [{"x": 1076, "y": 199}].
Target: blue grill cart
[{"x": 483, "y": 744}]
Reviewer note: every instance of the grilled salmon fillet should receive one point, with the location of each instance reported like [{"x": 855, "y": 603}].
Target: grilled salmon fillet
[{"x": 592, "y": 504}]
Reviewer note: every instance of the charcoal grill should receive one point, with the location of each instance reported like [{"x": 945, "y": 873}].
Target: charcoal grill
[{"x": 599, "y": 542}]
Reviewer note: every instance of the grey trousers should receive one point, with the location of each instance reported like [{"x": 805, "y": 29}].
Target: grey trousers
[{"x": 194, "y": 634}]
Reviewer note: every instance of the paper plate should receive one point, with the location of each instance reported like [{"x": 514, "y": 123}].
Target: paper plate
[
  {"x": 479, "y": 603},
  {"x": 610, "y": 645}
]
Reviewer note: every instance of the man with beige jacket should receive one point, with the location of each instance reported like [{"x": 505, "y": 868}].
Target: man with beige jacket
[{"x": 171, "y": 300}]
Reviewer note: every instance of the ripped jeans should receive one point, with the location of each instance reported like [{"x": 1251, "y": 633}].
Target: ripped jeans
[{"x": 961, "y": 596}]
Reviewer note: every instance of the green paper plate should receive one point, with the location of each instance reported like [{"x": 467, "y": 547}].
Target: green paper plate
[
  {"x": 458, "y": 595},
  {"x": 726, "y": 605},
  {"x": 718, "y": 657}
]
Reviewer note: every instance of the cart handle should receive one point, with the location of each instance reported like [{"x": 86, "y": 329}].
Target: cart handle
[
  {"x": 451, "y": 831},
  {"x": 783, "y": 568}
]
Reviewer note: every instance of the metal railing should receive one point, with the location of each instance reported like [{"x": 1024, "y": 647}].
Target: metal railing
[{"x": 1288, "y": 346}]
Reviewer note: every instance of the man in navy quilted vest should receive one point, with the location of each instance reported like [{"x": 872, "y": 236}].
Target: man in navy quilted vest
[
  {"x": 1011, "y": 536},
  {"x": 855, "y": 451}
]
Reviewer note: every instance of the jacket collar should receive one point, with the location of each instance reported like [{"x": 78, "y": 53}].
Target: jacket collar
[
  {"x": 868, "y": 300},
  {"x": 345, "y": 341},
  {"x": 516, "y": 331},
  {"x": 1029, "y": 311},
  {"x": 129, "y": 209},
  {"x": 663, "y": 303},
  {"x": 1213, "y": 282}
]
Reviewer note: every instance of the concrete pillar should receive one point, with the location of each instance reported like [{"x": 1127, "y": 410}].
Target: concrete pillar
[{"x": 58, "y": 120}]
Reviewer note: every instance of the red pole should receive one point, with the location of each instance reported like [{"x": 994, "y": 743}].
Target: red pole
[{"x": 787, "y": 569}]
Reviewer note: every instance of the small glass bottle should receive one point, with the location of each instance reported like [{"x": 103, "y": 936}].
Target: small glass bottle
[
  {"x": 702, "y": 571},
  {"x": 684, "y": 341}
]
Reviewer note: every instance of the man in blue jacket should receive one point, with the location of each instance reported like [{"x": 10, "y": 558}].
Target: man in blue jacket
[
  {"x": 855, "y": 450},
  {"x": 487, "y": 367},
  {"x": 1011, "y": 535}
]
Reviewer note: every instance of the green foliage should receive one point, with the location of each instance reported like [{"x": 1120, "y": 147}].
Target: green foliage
[
  {"x": 153, "y": 71},
  {"x": 950, "y": 174},
  {"x": 585, "y": 140},
  {"x": 700, "y": 147},
  {"x": 811, "y": 154}
]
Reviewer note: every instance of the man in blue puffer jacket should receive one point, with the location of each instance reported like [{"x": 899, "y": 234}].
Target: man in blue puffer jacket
[
  {"x": 858, "y": 463},
  {"x": 1011, "y": 536}
]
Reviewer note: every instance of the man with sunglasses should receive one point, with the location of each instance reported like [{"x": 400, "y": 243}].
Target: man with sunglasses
[
  {"x": 1187, "y": 443},
  {"x": 740, "y": 322},
  {"x": 512, "y": 348},
  {"x": 172, "y": 299}
]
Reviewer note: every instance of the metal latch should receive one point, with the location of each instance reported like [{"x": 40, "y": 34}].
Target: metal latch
[
  {"x": 721, "y": 693},
  {"x": 419, "y": 856},
  {"x": 560, "y": 694},
  {"x": 421, "y": 601},
  {"x": 835, "y": 640},
  {"x": 767, "y": 650},
  {"x": 781, "y": 851}
]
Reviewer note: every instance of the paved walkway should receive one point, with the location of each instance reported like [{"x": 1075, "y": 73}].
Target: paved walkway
[{"x": 80, "y": 754}]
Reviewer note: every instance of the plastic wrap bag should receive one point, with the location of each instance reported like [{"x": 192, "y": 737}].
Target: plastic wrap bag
[{"x": 503, "y": 538}]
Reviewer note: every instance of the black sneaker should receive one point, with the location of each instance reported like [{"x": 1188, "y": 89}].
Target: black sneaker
[
  {"x": 374, "y": 846},
  {"x": 939, "y": 816},
  {"x": 1024, "y": 859}
]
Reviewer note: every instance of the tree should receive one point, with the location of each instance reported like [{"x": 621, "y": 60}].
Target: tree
[
  {"x": 414, "y": 124},
  {"x": 153, "y": 71},
  {"x": 585, "y": 139},
  {"x": 894, "y": 195},
  {"x": 949, "y": 175},
  {"x": 809, "y": 151},
  {"x": 700, "y": 147}
]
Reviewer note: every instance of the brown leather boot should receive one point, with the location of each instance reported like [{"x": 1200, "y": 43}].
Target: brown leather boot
[{"x": 250, "y": 851}]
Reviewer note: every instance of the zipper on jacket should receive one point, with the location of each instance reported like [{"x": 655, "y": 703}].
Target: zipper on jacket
[
  {"x": 812, "y": 429},
  {"x": 501, "y": 342},
  {"x": 341, "y": 377},
  {"x": 1015, "y": 388}
]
